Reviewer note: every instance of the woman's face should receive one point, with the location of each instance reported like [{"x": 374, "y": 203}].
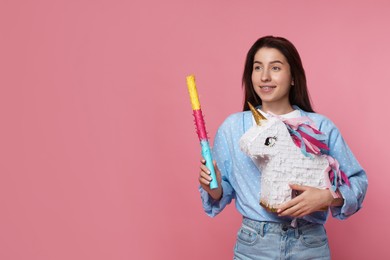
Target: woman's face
[{"x": 271, "y": 78}]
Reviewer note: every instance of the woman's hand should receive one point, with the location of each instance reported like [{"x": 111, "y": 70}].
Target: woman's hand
[
  {"x": 309, "y": 200},
  {"x": 205, "y": 178}
]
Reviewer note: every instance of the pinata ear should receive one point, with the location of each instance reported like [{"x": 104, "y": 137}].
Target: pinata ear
[{"x": 256, "y": 114}]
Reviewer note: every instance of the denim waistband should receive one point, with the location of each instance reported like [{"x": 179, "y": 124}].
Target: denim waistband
[{"x": 262, "y": 227}]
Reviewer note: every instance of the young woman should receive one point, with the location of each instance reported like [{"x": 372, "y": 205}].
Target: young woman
[{"x": 274, "y": 81}]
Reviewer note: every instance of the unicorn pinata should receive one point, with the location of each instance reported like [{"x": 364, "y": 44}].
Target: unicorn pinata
[{"x": 289, "y": 151}]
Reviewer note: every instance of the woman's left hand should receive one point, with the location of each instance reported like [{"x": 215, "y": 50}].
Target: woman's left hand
[{"x": 309, "y": 200}]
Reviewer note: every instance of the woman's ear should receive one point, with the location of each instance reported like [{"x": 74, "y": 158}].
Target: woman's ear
[{"x": 292, "y": 82}]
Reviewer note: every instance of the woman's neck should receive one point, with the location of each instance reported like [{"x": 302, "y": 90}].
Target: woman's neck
[{"x": 277, "y": 109}]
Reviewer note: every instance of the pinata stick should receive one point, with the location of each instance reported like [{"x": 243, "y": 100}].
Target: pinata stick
[{"x": 201, "y": 129}]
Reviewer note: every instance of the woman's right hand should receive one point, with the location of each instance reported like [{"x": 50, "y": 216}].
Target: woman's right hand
[{"x": 205, "y": 178}]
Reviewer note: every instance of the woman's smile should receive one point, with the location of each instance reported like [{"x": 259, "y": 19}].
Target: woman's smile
[{"x": 267, "y": 88}]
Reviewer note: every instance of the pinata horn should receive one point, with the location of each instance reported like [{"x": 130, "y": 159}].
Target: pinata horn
[{"x": 256, "y": 114}]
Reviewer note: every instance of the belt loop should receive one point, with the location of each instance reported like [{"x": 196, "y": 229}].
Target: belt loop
[
  {"x": 296, "y": 232},
  {"x": 262, "y": 226}
]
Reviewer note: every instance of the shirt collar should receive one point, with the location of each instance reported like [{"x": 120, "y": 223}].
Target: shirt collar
[{"x": 248, "y": 117}]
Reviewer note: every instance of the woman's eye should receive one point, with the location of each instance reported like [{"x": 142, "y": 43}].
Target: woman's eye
[
  {"x": 257, "y": 68},
  {"x": 275, "y": 68}
]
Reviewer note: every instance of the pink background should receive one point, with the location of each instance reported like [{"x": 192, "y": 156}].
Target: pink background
[{"x": 98, "y": 152}]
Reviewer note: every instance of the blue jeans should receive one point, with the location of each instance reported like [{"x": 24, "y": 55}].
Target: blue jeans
[{"x": 268, "y": 240}]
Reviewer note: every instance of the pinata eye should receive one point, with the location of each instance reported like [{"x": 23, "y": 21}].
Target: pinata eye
[{"x": 270, "y": 141}]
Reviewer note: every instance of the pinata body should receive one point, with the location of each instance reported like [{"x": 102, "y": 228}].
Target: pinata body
[{"x": 281, "y": 162}]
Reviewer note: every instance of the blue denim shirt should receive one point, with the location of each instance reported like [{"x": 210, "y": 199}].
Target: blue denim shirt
[{"x": 241, "y": 177}]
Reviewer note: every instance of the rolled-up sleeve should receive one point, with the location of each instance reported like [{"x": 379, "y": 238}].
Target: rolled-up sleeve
[
  {"x": 354, "y": 194},
  {"x": 221, "y": 154}
]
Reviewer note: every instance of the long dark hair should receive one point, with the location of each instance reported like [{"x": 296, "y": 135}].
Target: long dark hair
[{"x": 299, "y": 94}]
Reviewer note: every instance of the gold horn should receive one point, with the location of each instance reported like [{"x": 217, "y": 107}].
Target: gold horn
[{"x": 256, "y": 114}]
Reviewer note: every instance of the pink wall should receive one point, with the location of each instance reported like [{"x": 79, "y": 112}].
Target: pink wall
[{"x": 98, "y": 155}]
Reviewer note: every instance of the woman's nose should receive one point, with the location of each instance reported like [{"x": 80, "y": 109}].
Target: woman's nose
[{"x": 265, "y": 76}]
